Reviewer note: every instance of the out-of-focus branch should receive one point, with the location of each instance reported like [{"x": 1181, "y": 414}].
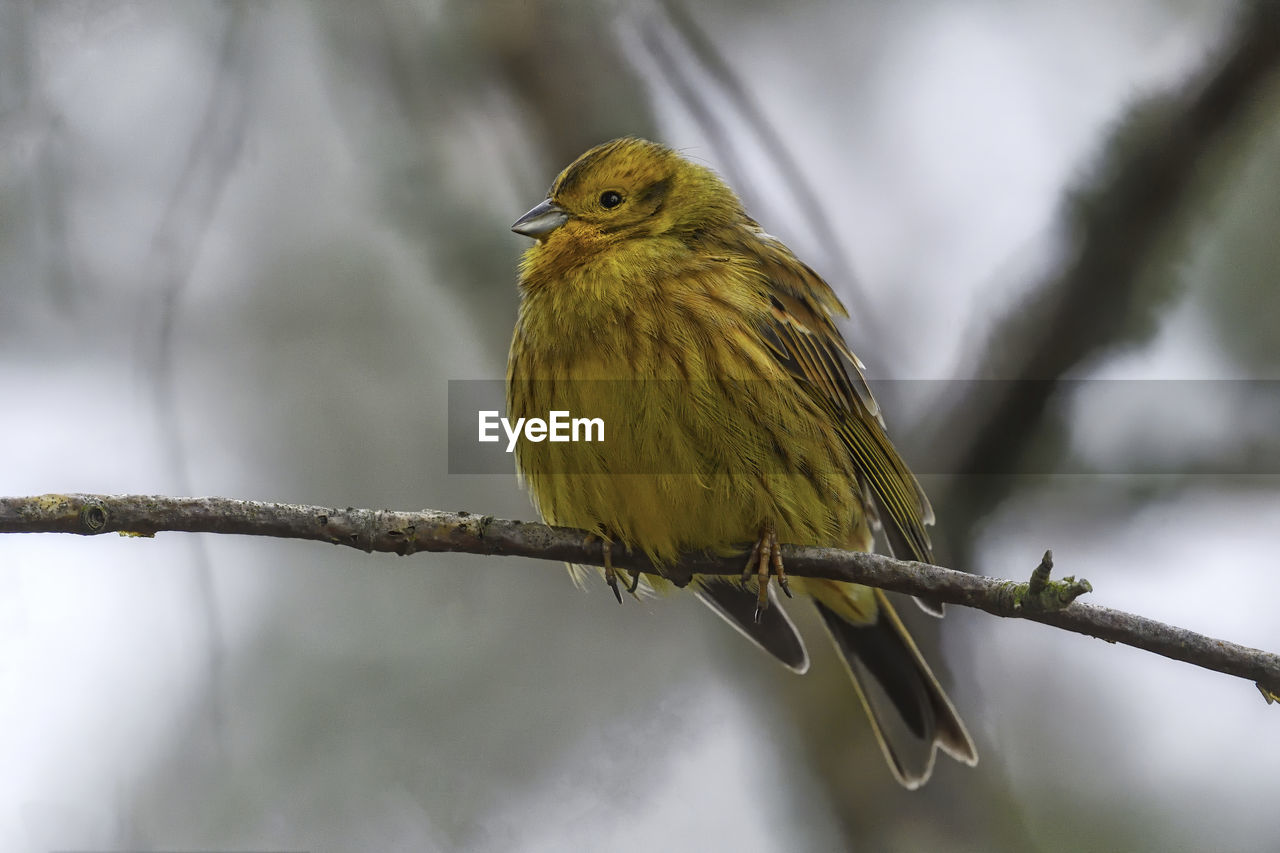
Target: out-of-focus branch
[
  {"x": 215, "y": 146},
  {"x": 567, "y": 71},
  {"x": 1040, "y": 600},
  {"x": 733, "y": 91},
  {"x": 1116, "y": 222}
]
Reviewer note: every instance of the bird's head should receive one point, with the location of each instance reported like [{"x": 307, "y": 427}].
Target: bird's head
[{"x": 629, "y": 188}]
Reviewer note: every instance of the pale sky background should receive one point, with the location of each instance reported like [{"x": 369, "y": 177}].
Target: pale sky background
[{"x": 350, "y": 255}]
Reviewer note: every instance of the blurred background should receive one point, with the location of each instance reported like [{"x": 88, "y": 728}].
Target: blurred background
[{"x": 245, "y": 246}]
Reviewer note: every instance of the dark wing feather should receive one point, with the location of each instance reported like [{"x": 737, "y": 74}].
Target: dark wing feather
[
  {"x": 804, "y": 340},
  {"x": 774, "y": 632}
]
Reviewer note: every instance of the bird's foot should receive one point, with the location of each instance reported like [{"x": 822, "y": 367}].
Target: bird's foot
[
  {"x": 766, "y": 556},
  {"x": 610, "y": 573}
]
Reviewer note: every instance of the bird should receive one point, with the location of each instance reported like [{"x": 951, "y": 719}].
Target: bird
[{"x": 733, "y": 412}]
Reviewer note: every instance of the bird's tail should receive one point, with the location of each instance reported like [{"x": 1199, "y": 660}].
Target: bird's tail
[{"x": 909, "y": 710}]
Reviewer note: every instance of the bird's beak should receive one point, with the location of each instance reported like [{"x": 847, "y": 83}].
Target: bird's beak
[{"x": 542, "y": 220}]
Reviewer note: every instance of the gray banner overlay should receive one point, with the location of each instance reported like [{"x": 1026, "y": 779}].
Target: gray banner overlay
[{"x": 1223, "y": 428}]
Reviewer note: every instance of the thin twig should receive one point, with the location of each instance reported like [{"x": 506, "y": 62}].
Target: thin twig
[{"x": 1048, "y": 602}]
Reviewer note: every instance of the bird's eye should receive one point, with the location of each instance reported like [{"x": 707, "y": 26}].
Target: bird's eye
[{"x": 610, "y": 199}]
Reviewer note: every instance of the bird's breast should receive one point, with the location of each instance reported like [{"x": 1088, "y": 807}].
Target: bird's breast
[{"x": 702, "y": 440}]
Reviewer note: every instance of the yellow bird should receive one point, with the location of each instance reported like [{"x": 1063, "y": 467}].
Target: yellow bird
[{"x": 733, "y": 411}]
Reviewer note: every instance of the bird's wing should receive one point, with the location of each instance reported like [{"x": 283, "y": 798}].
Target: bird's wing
[{"x": 800, "y": 334}]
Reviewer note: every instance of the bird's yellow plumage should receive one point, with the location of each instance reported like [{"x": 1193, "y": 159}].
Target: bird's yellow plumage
[{"x": 734, "y": 412}]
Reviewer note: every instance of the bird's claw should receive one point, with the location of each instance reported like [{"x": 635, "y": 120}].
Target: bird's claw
[
  {"x": 610, "y": 573},
  {"x": 766, "y": 556},
  {"x": 635, "y": 583}
]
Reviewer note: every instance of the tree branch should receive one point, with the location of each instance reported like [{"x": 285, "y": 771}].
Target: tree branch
[{"x": 1050, "y": 603}]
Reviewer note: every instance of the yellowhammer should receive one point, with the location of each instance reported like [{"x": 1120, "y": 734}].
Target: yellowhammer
[{"x": 733, "y": 412}]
